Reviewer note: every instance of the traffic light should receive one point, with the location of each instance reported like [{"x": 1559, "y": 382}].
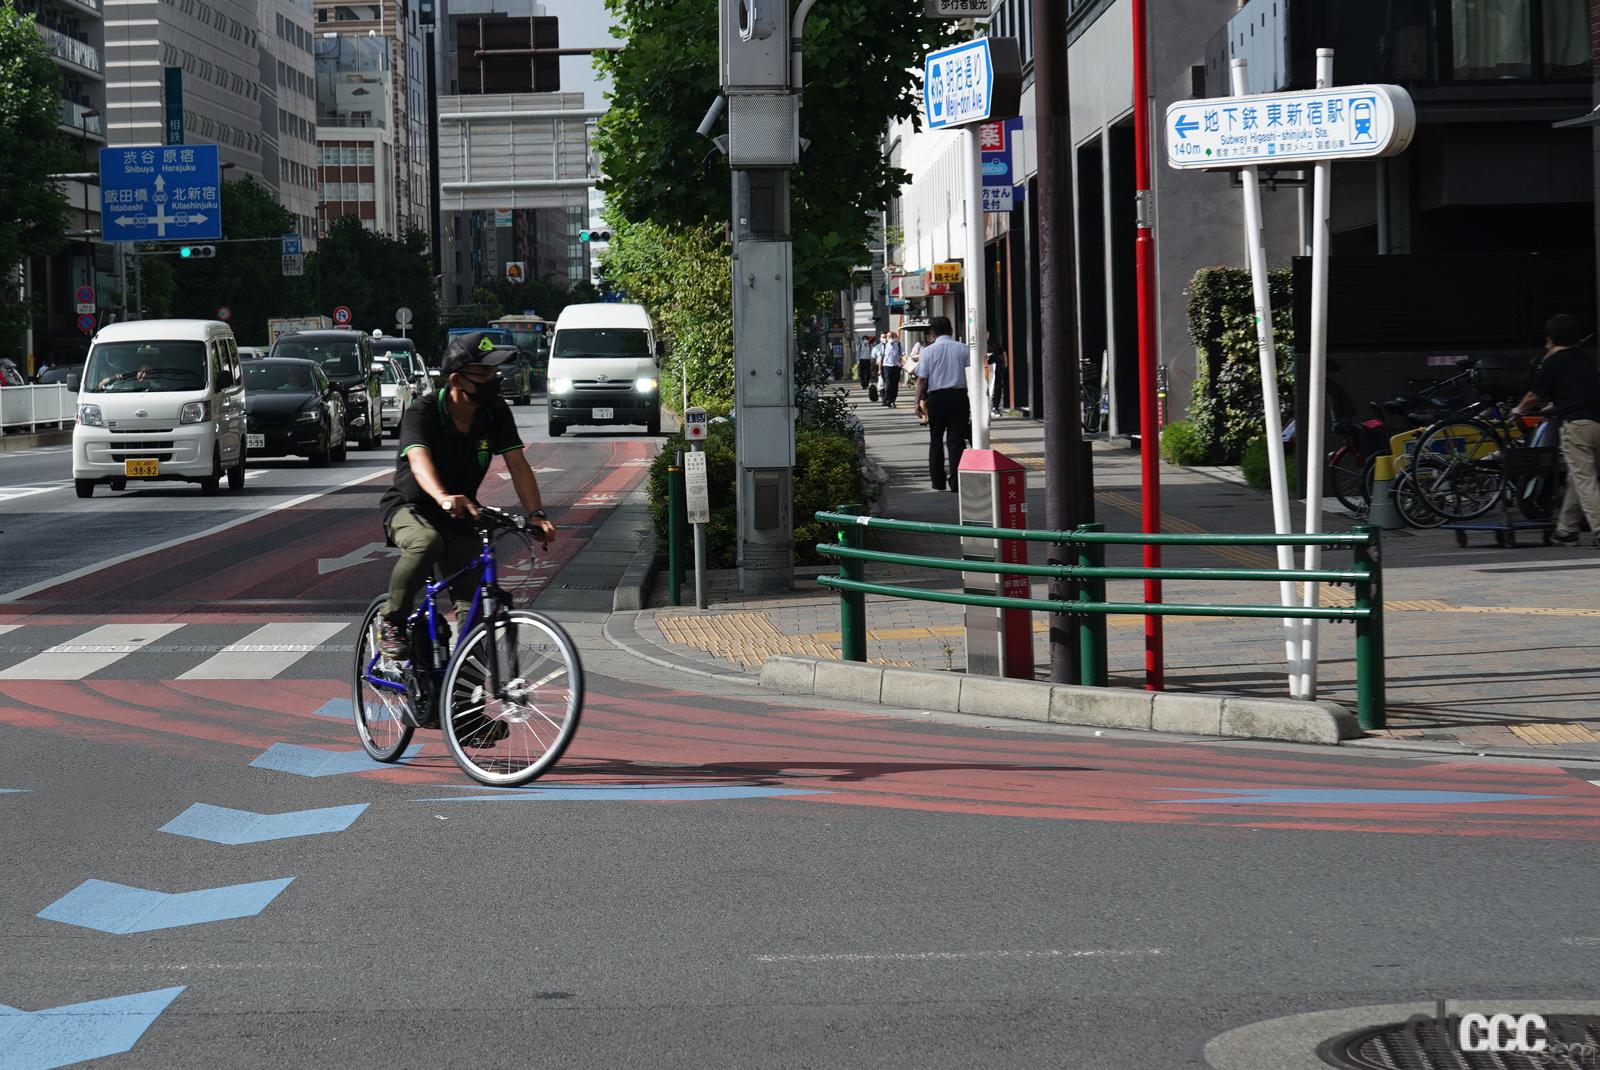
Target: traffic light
[
  {"x": 594, "y": 235},
  {"x": 197, "y": 252}
]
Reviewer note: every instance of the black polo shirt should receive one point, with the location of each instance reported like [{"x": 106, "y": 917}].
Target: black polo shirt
[
  {"x": 1570, "y": 380},
  {"x": 461, "y": 460}
]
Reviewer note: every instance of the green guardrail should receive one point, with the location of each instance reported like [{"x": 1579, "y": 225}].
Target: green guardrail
[{"x": 1090, "y": 573}]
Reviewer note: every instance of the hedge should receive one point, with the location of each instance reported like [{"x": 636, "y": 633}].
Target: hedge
[
  {"x": 1226, "y": 403},
  {"x": 827, "y": 474}
]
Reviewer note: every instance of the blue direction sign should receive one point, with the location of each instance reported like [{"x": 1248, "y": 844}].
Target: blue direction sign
[
  {"x": 1339, "y": 123},
  {"x": 958, "y": 85},
  {"x": 161, "y": 193},
  {"x": 291, "y": 245}
]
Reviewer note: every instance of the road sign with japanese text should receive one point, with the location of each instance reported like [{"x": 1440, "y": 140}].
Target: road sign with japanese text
[
  {"x": 1338, "y": 123},
  {"x": 161, "y": 193}
]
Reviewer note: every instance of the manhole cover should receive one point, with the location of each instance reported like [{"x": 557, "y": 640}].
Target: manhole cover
[{"x": 1572, "y": 1042}]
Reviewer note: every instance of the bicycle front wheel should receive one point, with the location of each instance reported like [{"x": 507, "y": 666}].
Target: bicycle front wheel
[
  {"x": 514, "y": 728},
  {"x": 382, "y": 712},
  {"x": 1460, "y": 468},
  {"x": 1347, "y": 478}
]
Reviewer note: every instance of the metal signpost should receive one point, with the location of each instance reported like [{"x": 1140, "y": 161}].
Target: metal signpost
[
  {"x": 1316, "y": 126},
  {"x": 402, "y": 319},
  {"x": 697, "y": 492},
  {"x": 160, "y": 193}
]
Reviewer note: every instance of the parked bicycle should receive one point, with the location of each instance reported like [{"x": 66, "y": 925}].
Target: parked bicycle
[{"x": 507, "y": 696}]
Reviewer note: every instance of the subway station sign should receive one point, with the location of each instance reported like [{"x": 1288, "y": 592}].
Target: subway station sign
[{"x": 1338, "y": 123}]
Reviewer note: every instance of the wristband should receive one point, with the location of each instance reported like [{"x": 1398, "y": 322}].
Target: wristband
[{"x": 538, "y": 514}]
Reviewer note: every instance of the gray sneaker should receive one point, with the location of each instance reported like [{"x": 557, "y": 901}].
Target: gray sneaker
[{"x": 392, "y": 639}]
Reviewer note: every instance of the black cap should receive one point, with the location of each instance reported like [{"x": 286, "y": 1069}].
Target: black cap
[{"x": 475, "y": 348}]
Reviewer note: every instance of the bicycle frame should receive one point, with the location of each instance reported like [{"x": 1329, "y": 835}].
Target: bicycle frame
[{"x": 485, "y": 565}]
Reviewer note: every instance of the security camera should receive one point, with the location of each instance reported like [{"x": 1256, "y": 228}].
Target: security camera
[{"x": 712, "y": 114}]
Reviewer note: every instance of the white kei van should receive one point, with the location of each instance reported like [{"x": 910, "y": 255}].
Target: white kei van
[
  {"x": 603, "y": 368},
  {"x": 160, "y": 399}
]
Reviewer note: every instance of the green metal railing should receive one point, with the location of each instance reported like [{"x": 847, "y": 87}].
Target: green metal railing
[{"x": 1090, "y": 573}]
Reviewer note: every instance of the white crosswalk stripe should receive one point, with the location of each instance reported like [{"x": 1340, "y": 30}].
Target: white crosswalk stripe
[
  {"x": 265, "y": 652},
  {"x": 90, "y": 652}
]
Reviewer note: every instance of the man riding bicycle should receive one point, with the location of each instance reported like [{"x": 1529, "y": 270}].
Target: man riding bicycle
[{"x": 447, "y": 441}]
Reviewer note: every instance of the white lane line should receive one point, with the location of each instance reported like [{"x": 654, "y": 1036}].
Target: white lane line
[
  {"x": 4, "y": 628},
  {"x": 962, "y": 956},
  {"x": 90, "y": 652},
  {"x": 265, "y": 652},
  {"x": 11, "y": 493},
  {"x": 133, "y": 555}
]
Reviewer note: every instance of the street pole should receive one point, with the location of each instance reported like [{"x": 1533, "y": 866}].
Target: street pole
[
  {"x": 1144, "y": 252},
  {"x": 1069, "y": 481},
  {"x": 1272, "y": 414},
  {"x": 976, "y": 283},
  {"x": 1316, "y": 406}
]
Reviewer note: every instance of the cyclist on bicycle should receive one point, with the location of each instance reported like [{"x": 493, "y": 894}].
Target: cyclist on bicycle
[{"x": 447, "y": 441}]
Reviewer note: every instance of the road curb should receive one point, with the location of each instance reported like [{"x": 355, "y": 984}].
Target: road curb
[
  {"x": 626, "y": 638},
  {"x": 1232, "y": 716},
  {"x": 633, "y": 589},
  {"x": 34, "y": 439}
]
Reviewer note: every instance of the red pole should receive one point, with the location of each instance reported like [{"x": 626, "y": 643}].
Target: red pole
[{"x": 1149, "y": 416}]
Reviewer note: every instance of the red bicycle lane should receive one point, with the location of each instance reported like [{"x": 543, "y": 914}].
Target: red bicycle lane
[{"x": 329, "y": 551}]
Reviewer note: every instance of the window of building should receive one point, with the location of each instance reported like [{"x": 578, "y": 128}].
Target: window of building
[{"x": 1503, "y": 40}]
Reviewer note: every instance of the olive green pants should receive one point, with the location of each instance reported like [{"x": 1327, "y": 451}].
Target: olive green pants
[{"x": 423, "y": 546}]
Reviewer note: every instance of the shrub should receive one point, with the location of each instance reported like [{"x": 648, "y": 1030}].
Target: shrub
[
  {"x": 1182, "y": 444},
  {"x": 1226, "y": 402},
  {"x": 827, "y": 473},
  {"x": 1258, "y": 473}
]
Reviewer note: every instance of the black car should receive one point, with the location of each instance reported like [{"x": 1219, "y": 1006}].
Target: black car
[
  {"x": 516, "y": 376},
  {"x": 346, "y": 359},
  {"x": 292, "y": 409},
  {"x": 71, "y": 374}
]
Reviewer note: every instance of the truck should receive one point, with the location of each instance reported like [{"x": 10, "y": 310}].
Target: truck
[{"x": 285, "y": 324}]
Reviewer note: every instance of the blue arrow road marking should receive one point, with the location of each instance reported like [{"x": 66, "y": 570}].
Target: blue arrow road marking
[
  {"x": 342, "y": 708},
  {"x": 122, "y": 909},
  {"x": 627, "y": 793},
  {"x": 1185, "y": 124},
  {"x": 1352, "y": 796},
  {"x": 313, "y": 761},
  {"x": 222, "y": 825},
  {"x": 60, "y": 1036}
]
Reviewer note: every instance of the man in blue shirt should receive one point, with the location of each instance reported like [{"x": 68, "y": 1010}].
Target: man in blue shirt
[{"x": 942, "y": 399}]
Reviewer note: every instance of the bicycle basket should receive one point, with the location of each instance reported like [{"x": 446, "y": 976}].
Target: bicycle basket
[{"x": 1502, "y": 376}]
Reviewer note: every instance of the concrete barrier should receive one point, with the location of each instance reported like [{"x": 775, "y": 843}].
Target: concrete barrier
[{"x": 1237, "y": 716}]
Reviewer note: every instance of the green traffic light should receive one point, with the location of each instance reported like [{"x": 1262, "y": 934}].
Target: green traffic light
[
  {"x": 583, "y": 235},
  {"x": 185, "y": 252}
]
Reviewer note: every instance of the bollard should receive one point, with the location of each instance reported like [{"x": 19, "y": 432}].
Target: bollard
[
  {"x": 1382, "y": 512},
  {"x": 1092, "y": 626},
  {"x": 675, "y": 511},
  {"x": 1371, "y": 689},
  {"x": 852, "y": 604}
]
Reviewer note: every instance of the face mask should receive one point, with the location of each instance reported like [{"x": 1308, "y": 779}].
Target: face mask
[{"x": 486, "y": 393}]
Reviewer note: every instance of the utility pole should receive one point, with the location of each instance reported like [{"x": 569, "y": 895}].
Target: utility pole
[
  {"x": 763, "y": 148},
  {"x": 1069, "y": 480},
  {"x": 1144, "y": 252}
]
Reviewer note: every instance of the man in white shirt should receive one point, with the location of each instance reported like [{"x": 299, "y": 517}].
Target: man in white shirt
[
  {"x": 864, "y": 360},
  {"x": 942, "y": 398},
  {"x": 890, "y": 368}
]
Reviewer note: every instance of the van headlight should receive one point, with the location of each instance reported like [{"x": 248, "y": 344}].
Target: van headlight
[
  {"x": 644, "y": 386},
  {"x": 561, "y": 386},
  {"x": 195, "y": 412},
  {"x": 90, "y": 416}
]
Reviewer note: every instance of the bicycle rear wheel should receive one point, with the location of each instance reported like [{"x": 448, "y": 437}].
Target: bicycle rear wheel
[
  {"x": 1410, "y": 503},
  {"x": 1460, "y": 468},
  {"x": 382, "y": 714},
  {"x": 519, "y": 735},
  {"x": 1347, "y": 478}
]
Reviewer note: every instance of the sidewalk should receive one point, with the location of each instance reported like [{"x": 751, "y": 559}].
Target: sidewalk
[{"x": 1487, "y": 648}]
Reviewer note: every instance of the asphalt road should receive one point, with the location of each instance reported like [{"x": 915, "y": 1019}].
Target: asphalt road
[{"x": 711, "y": 877}]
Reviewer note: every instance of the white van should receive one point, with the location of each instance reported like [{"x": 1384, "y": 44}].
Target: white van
[
  {"x": 603, "y": 368},
  {"x": 160, "y": 399}
]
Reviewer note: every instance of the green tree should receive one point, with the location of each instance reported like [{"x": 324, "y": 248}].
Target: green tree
[
  {"x": 684, "y": 278},
  {"x": 33, "y": 209},
  {"x": 862, "y": 69},
  {"x": 246, "y": 275},
  {"x": 374, "y": 274}
]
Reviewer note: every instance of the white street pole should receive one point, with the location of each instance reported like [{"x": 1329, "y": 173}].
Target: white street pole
[
  {"x": 699, "y": 553},
  {"x": 1281, "y": 522},
  {"x": 1316, "y": 402},
  {"x": 975, "y": 281}
]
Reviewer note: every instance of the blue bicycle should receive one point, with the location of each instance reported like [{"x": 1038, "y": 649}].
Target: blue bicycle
[{"x": 507, "y": 696}]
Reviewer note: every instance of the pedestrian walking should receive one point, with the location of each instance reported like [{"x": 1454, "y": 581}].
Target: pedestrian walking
[
  {"x": 1000, "y": 384},
  {"x": 1569, "y": 382},
  {"x": 942, "y": 398},
  {"x": 890, "y": 369},
  {"x": 864, "y": 361}
]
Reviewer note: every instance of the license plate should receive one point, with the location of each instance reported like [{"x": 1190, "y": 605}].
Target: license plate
[
  {"x": 603, "y": 414},
  {"x": 141, "y": 469},
  {"x": 255, "y": 442}
]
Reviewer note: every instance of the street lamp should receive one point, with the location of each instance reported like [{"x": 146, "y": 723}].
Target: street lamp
[{"x": 88, "y": 245}]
